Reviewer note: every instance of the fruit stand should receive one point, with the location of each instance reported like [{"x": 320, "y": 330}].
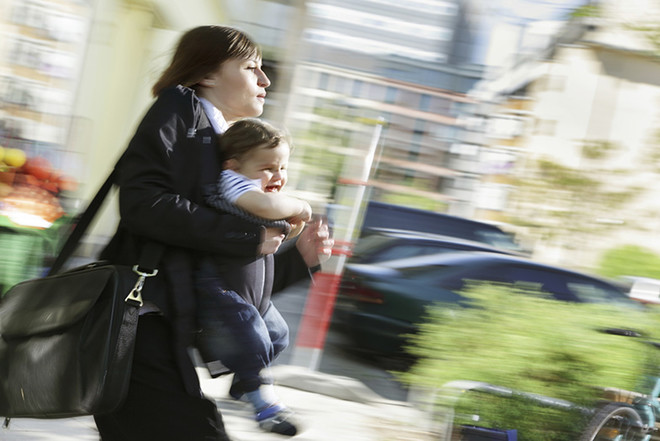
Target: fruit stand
[{"x": 32, "y": 219}]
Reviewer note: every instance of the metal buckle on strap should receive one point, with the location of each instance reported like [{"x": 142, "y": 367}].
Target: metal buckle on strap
[{"x": 135, "y": 296}]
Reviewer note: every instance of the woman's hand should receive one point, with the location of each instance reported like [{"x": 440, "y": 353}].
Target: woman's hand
[
  {"x": 271, "y": 241},
  {"x": 298, "y": 222},
  {"x": 315, "y": 243}
]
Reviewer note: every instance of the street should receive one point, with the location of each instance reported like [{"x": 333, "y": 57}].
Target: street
[{"x": 336, "y": 358}]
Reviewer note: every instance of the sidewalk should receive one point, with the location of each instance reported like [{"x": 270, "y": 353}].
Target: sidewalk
[{"x": 330, "y": 407}]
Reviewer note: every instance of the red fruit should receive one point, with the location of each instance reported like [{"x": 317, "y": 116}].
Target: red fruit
[
  {"x": 67, "y": 183},
  {"x": 30, "y": 180},
  {"x": 50, "y": 186},
  {"x": 38, "y": 167}
]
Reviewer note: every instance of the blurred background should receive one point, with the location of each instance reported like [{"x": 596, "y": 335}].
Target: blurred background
[{"x": 539, "y": 116}]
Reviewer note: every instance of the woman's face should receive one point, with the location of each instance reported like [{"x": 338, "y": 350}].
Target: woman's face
[{"x": 237, "y": 88}]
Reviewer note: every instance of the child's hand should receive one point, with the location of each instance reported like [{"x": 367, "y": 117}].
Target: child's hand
[{"x": 305, "y": 214}]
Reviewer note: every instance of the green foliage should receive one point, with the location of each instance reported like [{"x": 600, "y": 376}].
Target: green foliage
[
  {"x": 653, "y": 152},
  {"x": 416, "y": 201},
  {"x": 650, "y": 31},
  {"x": 630, "y": 260},
  {"x": 565, "y": 205},
  {"x": 590, "y": 10},
  {"x": 615, "y": 199},
  {"x": 520, "y": 339},
  {"x": 597, "y": 149},
  {"x": 566, "y": 178}
]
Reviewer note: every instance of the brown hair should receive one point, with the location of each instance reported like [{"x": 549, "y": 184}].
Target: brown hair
[
  {"x": 248, "y": 134},
  {"x": 202, "y": 50}
]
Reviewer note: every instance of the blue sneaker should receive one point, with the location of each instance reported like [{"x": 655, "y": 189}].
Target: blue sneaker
[{"x": 277, "y": 419}]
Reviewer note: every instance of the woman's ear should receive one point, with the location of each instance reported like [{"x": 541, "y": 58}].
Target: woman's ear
[
  {"x": 207, "y": 82},
  {"x": 231, "y": 164}
]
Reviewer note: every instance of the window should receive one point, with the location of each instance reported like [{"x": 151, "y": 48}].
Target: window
[
  {"x": 408, "y": 99},
  {"x": 465, "y": 182},
  {"x": 499, "y": 239},
  {"x": 429, "y": 273},
  {"x": 376, "y": 92},
  {"x": 323, "y": 81},
  {"x": 440, "y": 105},
  {"x": 357, "y": 88},
  {"x": 341, "y": 85},
  {"x": 546, "y": 127},
  {"x": 538, "y": 279},
  {"x": 408, "y": 250},
  {"x": 593, "y": 291},
  {"x": 390, "y": 95},
  {"x": 425, "y": 102}
]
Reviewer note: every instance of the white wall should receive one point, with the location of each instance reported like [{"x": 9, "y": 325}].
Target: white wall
[
  {"x": 130, "y": 43},
  {"x": 605, "y": 96}
]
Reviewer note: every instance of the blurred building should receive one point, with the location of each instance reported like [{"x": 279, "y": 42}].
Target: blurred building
[
  {"x": 410, "y": 63},
  {"x": 592, "y": 114},
  {"x": 75, "y": 77},
  {"x": 41, "y": 54},
  {"x": 338, "y": 68}
]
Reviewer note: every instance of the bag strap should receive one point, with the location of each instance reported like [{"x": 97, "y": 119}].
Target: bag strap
[
  {"x": 82, "y": 224},
  {"x": 149, "y": 257}
]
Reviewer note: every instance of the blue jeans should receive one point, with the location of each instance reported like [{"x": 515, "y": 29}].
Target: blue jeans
[{"x": 235, "y": 334}]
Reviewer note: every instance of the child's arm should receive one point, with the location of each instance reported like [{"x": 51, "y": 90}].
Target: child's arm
[{"x": 274, "y": 206}]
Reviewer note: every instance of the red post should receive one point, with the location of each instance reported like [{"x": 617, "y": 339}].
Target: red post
[
  {"x": 318, "y": 311},
  {"x": 322, "y": 294}
]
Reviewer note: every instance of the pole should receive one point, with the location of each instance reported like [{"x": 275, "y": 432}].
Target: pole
[{"x": 322, "y": 293}]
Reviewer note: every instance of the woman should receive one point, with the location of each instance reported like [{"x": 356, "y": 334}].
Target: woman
[{"x": 214, "y": 78}]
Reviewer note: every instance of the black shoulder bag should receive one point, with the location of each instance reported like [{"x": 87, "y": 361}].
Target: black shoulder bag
[{"x": 67, "y": 340}]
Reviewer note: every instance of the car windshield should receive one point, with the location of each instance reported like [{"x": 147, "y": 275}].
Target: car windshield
[
  {"x": 594, "y": 292},
  {"x": 400, "y": 252},
  {"x": 427, "y": 272},
  {"x": 368, "y": 243},
  {"x": 498, "y": 239}
]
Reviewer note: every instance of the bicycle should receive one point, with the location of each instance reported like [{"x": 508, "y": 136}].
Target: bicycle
[{"x": 627, "y": 415}]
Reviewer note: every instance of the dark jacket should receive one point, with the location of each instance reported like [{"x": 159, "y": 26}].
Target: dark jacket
[
  {"x": 249, "y": 277},
  {"x": 161, "y": 176}
]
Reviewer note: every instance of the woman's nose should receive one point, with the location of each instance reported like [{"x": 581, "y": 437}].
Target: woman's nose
[{"x": 262, "y": 79}]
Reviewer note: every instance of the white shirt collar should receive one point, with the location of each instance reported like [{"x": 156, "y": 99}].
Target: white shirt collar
[{"x": 214, "y": 115}]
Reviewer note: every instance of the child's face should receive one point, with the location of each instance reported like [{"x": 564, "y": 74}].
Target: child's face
[{"x": 266, "y": 164}]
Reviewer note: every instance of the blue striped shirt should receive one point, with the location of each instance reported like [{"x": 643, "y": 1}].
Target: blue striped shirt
[{"x": 232, "y": 185}]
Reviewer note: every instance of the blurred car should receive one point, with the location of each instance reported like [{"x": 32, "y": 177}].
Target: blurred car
[
  {"x": 390, "y": 244},
  {"x": 378, "y": 304},
  {"x": 381, "y": 215}
]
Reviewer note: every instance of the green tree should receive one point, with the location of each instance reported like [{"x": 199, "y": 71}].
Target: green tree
[
  {"x": 630, "y": 260},
  {"x": 567, "y": 205}
]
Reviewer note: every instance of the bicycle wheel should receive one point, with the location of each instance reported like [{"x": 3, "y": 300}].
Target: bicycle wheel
[{"x": 615, "y": 422}]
